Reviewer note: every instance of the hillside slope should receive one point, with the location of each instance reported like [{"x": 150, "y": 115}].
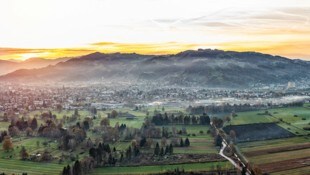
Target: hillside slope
[{"x": 213, "y": 68}]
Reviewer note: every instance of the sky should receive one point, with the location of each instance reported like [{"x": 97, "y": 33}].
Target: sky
[{"x": 65, "y": 28}]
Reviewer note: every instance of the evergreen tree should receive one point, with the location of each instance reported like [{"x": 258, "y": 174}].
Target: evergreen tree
[
  {"x": 65, "y": 171},
  {"x": 93, "y": 152},
  {"x": 128, "y": 153},
  {"x": 108, "y": 149},
  {"x": 161, "y": 151},
  {"x": 110, "y": 159},
  {"x": 34, "y": 123},
  {"x": 243, "y": 171},
  {"x": 171, "y": 149},
  {"x": 142, "y": 142},
  {"x": 136, "y": 151},
  {"x": 157, "y": 149},
  {"x": 77, "y": 169},
  {"x": 122, "y": 157},
  {"x": 218, "y": 141},
  {"x": 86, "y": 125},
  {"x": 181, "y": 143},
  {"x": 69, "y": 170},
  {"x": 167, "y": 150},
  {"x": 187, "y": 143}
]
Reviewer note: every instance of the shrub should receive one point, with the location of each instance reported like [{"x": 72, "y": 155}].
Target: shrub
[{"x": 307, "y": 128}]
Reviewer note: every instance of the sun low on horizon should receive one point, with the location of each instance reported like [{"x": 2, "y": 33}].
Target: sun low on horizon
[{"x": 56, "y": 28}]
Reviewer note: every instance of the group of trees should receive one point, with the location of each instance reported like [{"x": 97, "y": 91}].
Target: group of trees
[
  {"x": 224, "y": 108},
  {"x": 50, "y": 129},
  {"x": 72, "y": 137},
  {"x": 217, "y": 122},
  {"x": 80, "y": 167},
  {"x": 228, "y": 108},
  {"x": 150, "y": 130},
  {"x": 75, "y": 170},
  {"x": 73, "y": 118},
  {"x": 165, "y": 119},
  {"x": 130, "y": 152},
  {"x": 20, "y": 124},
  {"x": 185, "y": 143},
  {"x": 103, "y": 155},
  {"x": 161, "y": 151}
]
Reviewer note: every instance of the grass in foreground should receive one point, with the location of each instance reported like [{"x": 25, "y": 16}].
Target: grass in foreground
[{"x": 161, "y": 168}]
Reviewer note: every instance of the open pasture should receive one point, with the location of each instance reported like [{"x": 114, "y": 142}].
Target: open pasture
[{"x": 297, "y": 116}]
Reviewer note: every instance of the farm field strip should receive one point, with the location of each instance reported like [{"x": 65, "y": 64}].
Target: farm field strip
[
  {"x": 11, "y": 166},
  {"x": 268, "y": 158},
  {"x": 278, "y": 150},
  {"x": 267, "y": 144},
  {"x": 160, "y": 168},
  {"x": 285, "y": 165},
  {"x": 296, "y": 171}
]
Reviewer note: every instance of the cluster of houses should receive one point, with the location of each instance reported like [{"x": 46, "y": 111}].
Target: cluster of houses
[{"x": 22, "y": 98}]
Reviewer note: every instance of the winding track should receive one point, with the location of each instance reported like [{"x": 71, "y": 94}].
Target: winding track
[{"x": 233, "y": 162}]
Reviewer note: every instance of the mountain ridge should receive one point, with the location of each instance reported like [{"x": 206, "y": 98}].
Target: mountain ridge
[
  {"x": 206, "y": 67},
  {"x": 8, "y": 66}
]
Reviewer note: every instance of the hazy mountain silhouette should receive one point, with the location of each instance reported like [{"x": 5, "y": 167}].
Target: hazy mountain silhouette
[
  {"x": 214, "y": 68},
  {"x": 10, "y": 66}
]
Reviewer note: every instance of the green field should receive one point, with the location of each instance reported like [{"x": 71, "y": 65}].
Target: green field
[
  {"x": 292, "y": 119},
  {"x": 161, "y": 168},
  {"x": 277, "y": 157},
  {"x": 10, "y": 161},
  {"x": 297, "y": 171},
  {"x": 201, "y": 143},
  {"x": 292, "y": 115},
  {"x": 280, "y": 156},
  {"x": 18, "y": 166},
  {"x": 260, "y": 145}
]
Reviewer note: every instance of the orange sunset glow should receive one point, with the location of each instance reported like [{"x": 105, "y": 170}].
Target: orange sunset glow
[{"x": 53, "y": 28}]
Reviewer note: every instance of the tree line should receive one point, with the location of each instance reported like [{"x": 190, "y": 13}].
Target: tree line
[{"x": 165, "y": 119}]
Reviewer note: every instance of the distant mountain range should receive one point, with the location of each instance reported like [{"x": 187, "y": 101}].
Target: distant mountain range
[
  {"x": 10, "y": 66},
  {"x": 205, "y": 67}
]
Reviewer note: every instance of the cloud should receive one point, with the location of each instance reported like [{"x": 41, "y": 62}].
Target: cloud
[
  {"x": 291, "y": 49},
  {"x": 20, "y": 53}
]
